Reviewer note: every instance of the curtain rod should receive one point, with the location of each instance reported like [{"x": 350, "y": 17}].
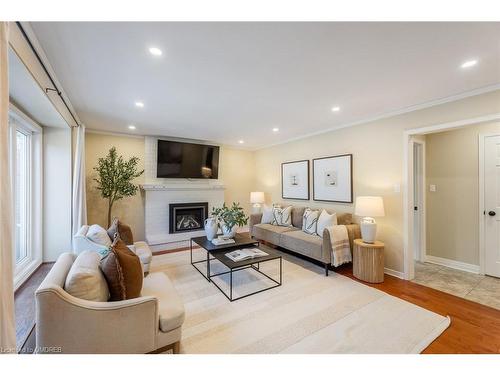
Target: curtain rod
[{"x": 47, "y": 89}]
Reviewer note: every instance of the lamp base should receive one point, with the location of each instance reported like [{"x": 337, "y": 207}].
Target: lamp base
[
  {"x": 368, "y": 230},
  {"x": 256, "y": 208}
]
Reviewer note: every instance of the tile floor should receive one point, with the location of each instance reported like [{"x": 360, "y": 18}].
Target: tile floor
[{"x": 482, "y": 289}]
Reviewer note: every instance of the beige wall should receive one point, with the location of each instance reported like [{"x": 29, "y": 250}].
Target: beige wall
[
  {"x": 377, "y": 149},
  {"x": 452, "y": 165},
  {"x": 130, "y": 209},
  {"x": 237, "y": 173}
]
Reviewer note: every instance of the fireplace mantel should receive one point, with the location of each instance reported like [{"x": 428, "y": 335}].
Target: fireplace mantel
[{"x": 181, "y": 187}]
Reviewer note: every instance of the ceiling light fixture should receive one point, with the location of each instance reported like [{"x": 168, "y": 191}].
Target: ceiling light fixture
[
  {"x": 131, "y": 127},
  {"x": 468, "y": 64},
  {"x": 139, "y": 104},
  {"x": 335, "y": 109},
  {"x": 276, "y": 130},
  {"x": 155, "y": 51},
  {"x": 241, "y": 141}
]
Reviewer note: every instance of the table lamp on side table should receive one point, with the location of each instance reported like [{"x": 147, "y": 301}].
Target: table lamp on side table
[
  {"x": 368, "y": 207},
  {"x": 256, "y": 198}
]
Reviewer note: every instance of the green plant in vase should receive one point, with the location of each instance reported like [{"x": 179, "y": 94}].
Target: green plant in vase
[{"x": 229, "y": 218}]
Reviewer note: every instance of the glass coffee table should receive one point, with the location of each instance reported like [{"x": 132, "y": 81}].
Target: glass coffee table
[{"x": 218, "y": 253}]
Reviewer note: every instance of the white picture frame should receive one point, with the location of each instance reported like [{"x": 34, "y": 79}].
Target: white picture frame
[
  {"x": 332, "y": 179},
  {"x": 295, "y": 180}
]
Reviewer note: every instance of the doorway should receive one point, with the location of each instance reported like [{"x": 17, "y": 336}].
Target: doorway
[{"x": 419, "y": 238}]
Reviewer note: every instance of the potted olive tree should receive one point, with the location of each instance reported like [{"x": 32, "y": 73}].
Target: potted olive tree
[
  {"x": 114, "y": 178},
  {"x": 229, "y": 218}
]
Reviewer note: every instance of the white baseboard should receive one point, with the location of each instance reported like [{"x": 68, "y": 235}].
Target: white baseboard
[
  {"x": 473, "y": 268},
  {"x": 394, "y": 273}
]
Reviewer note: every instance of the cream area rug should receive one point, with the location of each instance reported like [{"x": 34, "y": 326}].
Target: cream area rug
[{"x": 309, "y": 313}]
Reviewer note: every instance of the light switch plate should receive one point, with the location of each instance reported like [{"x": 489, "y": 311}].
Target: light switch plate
[
  {"x": 432, "y": 188},
  {"x": 397, "y": 188}
]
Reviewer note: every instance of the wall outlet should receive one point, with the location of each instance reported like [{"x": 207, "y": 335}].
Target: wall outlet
[{"x": 432, "y": 188}]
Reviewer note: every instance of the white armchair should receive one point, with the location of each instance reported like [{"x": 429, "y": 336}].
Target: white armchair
[
  {"x": 150, "y": 323},
  {"x": 82, "y": 243}
]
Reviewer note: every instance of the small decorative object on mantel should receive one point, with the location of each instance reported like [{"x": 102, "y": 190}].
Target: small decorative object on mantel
[
  {"x": 229, "y": 218},
  {"x": 332, "y": 179},
  {"x": 211, "y": 228},
  {"x": 295, "y": 180},
  {"x": 115, "y": 176}
]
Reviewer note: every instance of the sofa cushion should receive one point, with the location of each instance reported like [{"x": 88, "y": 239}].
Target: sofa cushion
[
  {"x": 123, "y": 230},
  {"x": 85, "y": 280},
  {"x": 98, "y": 234},
  {"x": 303, "y": 243},
  {"x": 325, "y": 220},
  {"x": 344, "y": 218},
  {"x": 310, "y": 221},
  {"x": 282, "y": 216},
  {"x": 270, "y": 233},
  {"x": 267, "y": 215},
  {"x": 170, "y": 306},
  {"x": 297, "y": 213}
]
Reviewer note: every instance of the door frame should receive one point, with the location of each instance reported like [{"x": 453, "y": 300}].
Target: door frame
[
  {"x": 422, "y": 254},
  {"x": 482, "y": 207},
  {"x": 408, "y": 251}
]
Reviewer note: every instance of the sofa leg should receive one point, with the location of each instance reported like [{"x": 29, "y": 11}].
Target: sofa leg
[
  {"x": 326, "y": 269},
  {"x": 177, "y": 347}
]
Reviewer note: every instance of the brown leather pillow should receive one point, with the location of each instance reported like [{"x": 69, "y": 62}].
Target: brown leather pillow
[
  {"x": 123, "y": 271},
  {"x": 123, "y": 231}
]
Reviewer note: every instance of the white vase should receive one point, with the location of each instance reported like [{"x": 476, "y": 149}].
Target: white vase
[
  {"x": 229, "y": 233},
  {"x": 211, "y": 228}
]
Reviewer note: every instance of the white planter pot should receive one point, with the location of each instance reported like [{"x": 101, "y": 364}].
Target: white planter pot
[{"x": 228, "y": 233}]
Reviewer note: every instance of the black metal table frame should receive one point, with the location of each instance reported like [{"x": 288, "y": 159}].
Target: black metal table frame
[{"x": 209, "y": 277}]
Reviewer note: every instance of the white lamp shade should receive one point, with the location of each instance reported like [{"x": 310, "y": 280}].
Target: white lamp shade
[
  {"x": 369, "y": 206},
  {"x": 257, "y": 197}
]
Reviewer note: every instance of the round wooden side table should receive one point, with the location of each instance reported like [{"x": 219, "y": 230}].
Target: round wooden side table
[{"x": 368, "y": 261}]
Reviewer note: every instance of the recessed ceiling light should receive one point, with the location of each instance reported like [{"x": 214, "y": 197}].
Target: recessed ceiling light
[
  {"x": 131, "y": 127},
  {"x": 241, "y": 141},
  {"x": 335, "y": 109},
  {"x": 468, "y": 64},
  {"x": 139, "y": 104},
  {"x": 276, "y": 130},
  {"x": 155, "y": 51}
]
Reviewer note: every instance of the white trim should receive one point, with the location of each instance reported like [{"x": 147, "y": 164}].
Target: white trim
[
  {"x": 409, "y": 270},
  {"x": 391, "y": 272},
  {"x": 384, "y": 115},
  {"x": 119, "y": 134},
  {"x": 423, "y": 220},
  {"x": 455, "y": 264}
]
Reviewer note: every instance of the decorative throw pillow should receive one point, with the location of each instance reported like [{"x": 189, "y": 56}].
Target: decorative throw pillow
[
  {"x": 310, "y": 221},
  {"x": 85, "y": 280},
  {"x": 123, "y": 272},
  {"x": 325, "y": 220},
  {"x": 98, "y": 234},
  {"x": 282, "y": 216},
  {"x": 267, "y": 214},
  {"x": 123, "y": 230}
]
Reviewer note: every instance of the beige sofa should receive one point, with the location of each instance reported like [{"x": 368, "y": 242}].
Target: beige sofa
[
  {"x": 293, "y": 239},
  {"x": 66, "y": 324}
]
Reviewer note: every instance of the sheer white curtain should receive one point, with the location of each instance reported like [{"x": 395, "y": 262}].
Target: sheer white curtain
[
  {"x": 79, "y": 197},
  {"x": 7, "y": 322}
]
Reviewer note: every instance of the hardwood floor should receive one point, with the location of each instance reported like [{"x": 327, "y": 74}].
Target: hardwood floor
[{"x": 474, "y": 328}]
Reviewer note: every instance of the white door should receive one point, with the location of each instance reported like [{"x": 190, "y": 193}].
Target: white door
[
  {"x": 492, "y": 205},
  {"x": 417, "y": 200}
]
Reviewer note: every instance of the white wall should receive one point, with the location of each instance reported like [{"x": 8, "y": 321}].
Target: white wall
[{"x": 56, "y": 192}]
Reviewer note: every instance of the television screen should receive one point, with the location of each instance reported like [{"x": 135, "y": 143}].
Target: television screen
[{"x": 187, "y": 160}]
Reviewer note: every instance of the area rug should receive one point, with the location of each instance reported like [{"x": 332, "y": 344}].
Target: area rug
[{"x": 309, "y": 313}]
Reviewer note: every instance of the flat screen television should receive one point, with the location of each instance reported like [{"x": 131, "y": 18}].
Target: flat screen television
[{"x": 187, "y": 160}]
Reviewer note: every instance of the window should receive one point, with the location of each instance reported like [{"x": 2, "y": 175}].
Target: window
[{"x": 25, "y": 142}]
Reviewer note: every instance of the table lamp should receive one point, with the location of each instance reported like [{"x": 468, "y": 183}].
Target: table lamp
[
  {"x": 257, "y": 198},
  {"x": 368, "y": 207}
]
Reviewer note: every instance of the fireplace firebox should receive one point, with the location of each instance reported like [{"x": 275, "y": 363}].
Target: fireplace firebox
[{"x": 187, "y": 217}]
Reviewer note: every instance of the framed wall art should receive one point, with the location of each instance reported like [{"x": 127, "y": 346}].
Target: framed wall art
[
  {"x": 295, "y": 180},
  {"x": 332, "y": 179}
]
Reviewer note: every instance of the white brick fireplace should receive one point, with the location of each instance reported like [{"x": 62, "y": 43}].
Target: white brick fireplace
[{"x": 159, "y": 193}]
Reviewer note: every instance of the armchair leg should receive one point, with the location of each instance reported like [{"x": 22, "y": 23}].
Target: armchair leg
[
  {"x": 326, "y": 269},
  {"x": 175, "y": 347}
]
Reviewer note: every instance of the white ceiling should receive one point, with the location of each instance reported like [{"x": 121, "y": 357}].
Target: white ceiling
[
  {"x": 229, "y": 81},
  {"x": 27, "y": 95}
]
